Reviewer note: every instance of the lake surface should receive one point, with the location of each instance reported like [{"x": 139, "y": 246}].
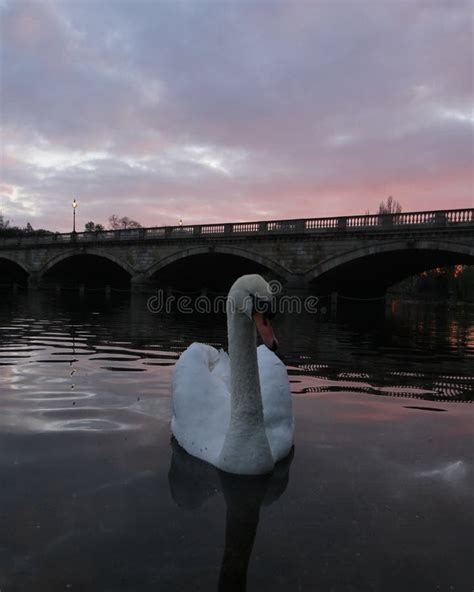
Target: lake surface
[{"x": 94, "y": 496}]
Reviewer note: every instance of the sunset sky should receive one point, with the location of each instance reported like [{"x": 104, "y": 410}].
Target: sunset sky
[{"x": 233, "y": 110}]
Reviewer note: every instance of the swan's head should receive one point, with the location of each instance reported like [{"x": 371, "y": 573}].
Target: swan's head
[{"x": 251, "y": 296}]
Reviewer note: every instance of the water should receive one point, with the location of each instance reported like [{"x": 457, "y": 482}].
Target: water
[{"x": 95, "y": 496}]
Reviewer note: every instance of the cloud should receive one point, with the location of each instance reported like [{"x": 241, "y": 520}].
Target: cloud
[
  {"x": 212, "y": 111},
  {"x": 452, "y": 472}
]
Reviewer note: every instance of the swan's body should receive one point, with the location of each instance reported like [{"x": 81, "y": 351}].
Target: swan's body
[{"x": 234, "y": 411}]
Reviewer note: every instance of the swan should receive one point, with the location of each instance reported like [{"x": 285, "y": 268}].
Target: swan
[{"x": 234, "y": 411}]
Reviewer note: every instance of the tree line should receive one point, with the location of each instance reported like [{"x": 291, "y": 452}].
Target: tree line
[
  {"x": 7, "y": 229},
  {"x": 115, "y": 223},
  {"x": 455, "y": 282}
]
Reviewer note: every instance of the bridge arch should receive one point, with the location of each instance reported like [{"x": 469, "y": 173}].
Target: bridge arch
[
  {"x": 281, "y": 271},
  {"x": 84, "y": 251},
  {"x": 13, "y": 269},
  {"x": 12, "y": 259},
  {"x": 425, "y": 255}
]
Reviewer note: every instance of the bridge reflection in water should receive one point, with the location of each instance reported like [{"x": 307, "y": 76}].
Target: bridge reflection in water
[{"x": 358, "y": 256}]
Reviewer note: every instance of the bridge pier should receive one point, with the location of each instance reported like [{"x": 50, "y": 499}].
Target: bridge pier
[
  {"x": 297, "y": 285},
  {"x": 140, "y": 282},
  {"x": 34, "y": 281},
  {"x": 333, "y": 304}
]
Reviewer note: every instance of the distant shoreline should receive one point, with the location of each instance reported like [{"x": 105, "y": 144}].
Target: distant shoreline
[{"x": 407, "y": 298}]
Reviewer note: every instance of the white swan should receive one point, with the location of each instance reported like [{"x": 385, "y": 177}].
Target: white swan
[{"x": 234, "y": 411}]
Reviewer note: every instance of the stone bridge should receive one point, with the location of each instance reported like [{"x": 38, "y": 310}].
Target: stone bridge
[{"x": 356, "y": 255}]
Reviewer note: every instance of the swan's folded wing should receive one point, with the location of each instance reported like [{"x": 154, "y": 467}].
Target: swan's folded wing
[
  {"x": 221, "y": 369},
  {"x": 201, "y": 402},
  {"x": 277, "y": 403}
]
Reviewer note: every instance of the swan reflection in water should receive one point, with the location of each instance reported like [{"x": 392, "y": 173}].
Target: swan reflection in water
[{"x": 193, "y": 481}]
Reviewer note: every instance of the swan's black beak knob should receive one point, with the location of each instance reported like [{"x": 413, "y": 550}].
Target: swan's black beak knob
[
  {"x": 274, "y": 345},
  {"x": 266, "y": 331}
]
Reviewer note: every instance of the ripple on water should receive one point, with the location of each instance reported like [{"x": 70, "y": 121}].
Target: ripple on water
[
  {"x": 47, "y": 396},
  {"x": 74, "y": 373},
  {"x": 114, "y": 359},
  {"x": 420, "y": 408},
  {"x": 86, "y": 425},
  {"x": 123, "y": 369}
]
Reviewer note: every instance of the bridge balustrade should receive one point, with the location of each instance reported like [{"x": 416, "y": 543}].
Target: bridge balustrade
[
  {"x": 155, "y": 232},
  {"x": 319, "y": 223},
  {"x": 212, "y": 229},
  {"x": 246, "y": 227},
  {"x": 367, "y": 222},
  {"x": 362, "y": 221}
]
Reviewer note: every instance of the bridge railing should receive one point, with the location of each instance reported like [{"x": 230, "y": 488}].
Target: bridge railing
[{"x": 364, "y": 223}]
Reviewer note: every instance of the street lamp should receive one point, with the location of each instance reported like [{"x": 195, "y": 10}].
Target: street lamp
[{"x": 74, "y": 206}]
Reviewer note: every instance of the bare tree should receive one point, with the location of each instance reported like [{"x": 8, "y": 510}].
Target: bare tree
[
  {"x": 391, "y": 206},
  {"x": 116, "y": 223},
  {"x": 93, "y": 227},
  {"x": 4, "y": 224},
  {"x": 126, "y": 222}
]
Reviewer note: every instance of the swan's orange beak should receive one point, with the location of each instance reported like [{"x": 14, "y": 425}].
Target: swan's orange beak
[{"x": 265, "y": 330}]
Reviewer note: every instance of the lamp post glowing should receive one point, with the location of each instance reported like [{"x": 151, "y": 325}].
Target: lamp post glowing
[{"x": 74, "y": 206}]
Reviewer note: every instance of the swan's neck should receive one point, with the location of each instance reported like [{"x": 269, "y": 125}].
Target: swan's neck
[
  {"x": 246, "y": 449},
  {"x": 244, "y": 379}
]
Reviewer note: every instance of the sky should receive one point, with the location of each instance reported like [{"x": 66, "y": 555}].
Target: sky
[{"x": 233, "y": 110}]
